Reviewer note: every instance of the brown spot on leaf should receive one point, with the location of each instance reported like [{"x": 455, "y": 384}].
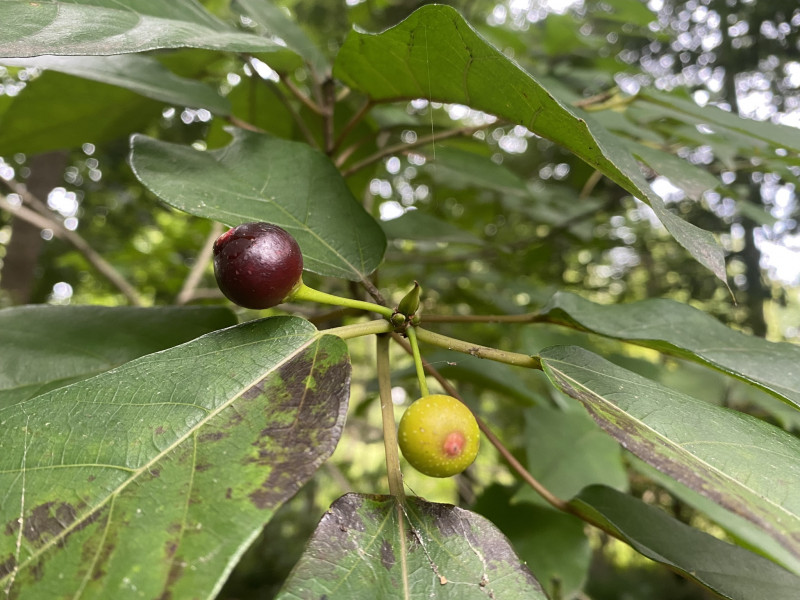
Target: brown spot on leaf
[
  {"x": 45, "y": 521},
  {"x": 229, "y": 493},
  {"x": 305, "y": 422},
  {"x": 7, "y": 566},
  {"x": 211, "y": 436},
  {"x": 387, "y": 555},
  {"x": 159, "y": 430}
]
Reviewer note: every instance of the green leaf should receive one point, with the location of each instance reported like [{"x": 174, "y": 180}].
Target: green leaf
[
  {"x": 140, "y": 74},
  {"x": 420, "y": 226},
  {"x": 44, "y": 347},
  {"x": 86, "y": 111},
  {"x": 566, "y": 451},
  {"x": 152, "y": 479},
  {"x": 103, "y": 27},
  {"x": 435, "y": 54},
  {"x": 678, "y": 329},
  {"x": 368, "y": 547},
  {"x": 729, "y": 570},
  {"x": 276, "y": 22},
  {"x": 261, "y": 178},
  {"x": 740, "y": 462}
]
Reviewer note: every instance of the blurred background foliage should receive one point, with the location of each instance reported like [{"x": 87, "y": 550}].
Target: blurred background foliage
[{"x": 491, "y": 222}]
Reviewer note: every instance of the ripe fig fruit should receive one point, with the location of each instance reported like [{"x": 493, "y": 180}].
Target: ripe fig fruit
[
  {"x": 257, "y": 265},
  {"x": 438, "y": 436}
]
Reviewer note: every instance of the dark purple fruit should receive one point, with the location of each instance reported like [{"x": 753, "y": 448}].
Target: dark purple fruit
[{"x": 257, "y": 265}]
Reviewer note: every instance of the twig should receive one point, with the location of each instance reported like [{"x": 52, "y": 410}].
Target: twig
[
  {"x": 421, "y": 141},
  {"x": 354, "y": 120},
  {"x": 308, "y": 102},
  {"x": 242, "y": 124},
  {"x": 328, "y": 108},
  {"x": 510, "y": 358},
  {"x": 301, "y": 125},
  {"x": 199, "y": 267},
  {"x": 93, "y": 257},
  {"x": 493, "y": 439}
]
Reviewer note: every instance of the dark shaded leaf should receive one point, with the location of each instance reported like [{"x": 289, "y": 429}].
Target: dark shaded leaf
[
  {"x": 369, "y": 547},
  {"x": 729, "y": 570}
]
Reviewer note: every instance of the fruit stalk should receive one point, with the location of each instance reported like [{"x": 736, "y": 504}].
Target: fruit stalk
[
  {"x": 303, "y": 292},
  {"x": 393, "y": 472},
  {"x": 412, "y": 339}
]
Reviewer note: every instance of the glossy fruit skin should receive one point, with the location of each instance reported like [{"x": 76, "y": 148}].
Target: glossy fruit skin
[
  {"x": 438, "y": 436},
  {"x": 257, "y": 265}
]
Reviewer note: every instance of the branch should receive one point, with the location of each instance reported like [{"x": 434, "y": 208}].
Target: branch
[
  {"x": 354, "y": 120},
  {"x": 421, "y": 141},
  {"x": 196, "y": 274},
  {"x": 511, "y": 358},
  {"x": 46, "y": 222},
  {"x": 308, "y": 102},
  {"x": 393, "y": 472}
]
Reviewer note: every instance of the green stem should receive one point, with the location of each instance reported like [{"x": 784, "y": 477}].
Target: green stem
[
  {"x": 393, "y": 472},
  {"x": 511, "y": 358},
  {"x": 412, "y": 339},
  {"x": 307, "y": 293},
  {"x": 355, "y": 330}
]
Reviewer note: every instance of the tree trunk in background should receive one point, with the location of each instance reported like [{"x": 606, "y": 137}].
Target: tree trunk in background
[{"x": 18, "y": 276}]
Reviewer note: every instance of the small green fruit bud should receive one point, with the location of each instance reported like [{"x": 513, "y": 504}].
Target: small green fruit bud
[{"x": 410, "y": 302}]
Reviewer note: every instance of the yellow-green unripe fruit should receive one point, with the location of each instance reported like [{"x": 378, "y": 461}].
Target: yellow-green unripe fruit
[{"x": 439, "y": 436}]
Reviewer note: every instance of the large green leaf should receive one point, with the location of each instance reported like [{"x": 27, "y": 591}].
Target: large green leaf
[
  {"x": 436, "y": 54},
  {"x": 679, "y": 329},
  {"x": 140, "y": 74},
  {"x": 103, "y": 27},
  {"x": 742, "y": 463},
  {"x": 262, "y": 178},
  {"x": 44, "y": 347},
  {"x": 729, "y": 570},
  {"x": 150, "y": 480},
  {"x": 369, "y": 547},
  {"x": 86, "y": 111}
]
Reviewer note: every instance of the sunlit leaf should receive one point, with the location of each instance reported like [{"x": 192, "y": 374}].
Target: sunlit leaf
[
  {"x": 729, "y": 570},
  {"x": 152, "y": 479},
  {"x": 262, "y": 178},
  {"x": 103, "y": 27},
  {"x": 43, "y": 347},
  {"x": 369, "y": 547},
  {"x": 738, "y": 461},
  {"x": 436, "y": 54},
  {"x": 679, "y": 329},
  {"x": 140, "y": 74}
]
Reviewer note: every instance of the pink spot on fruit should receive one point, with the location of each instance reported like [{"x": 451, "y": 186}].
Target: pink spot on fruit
[{"x": 453, "y": 444}]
